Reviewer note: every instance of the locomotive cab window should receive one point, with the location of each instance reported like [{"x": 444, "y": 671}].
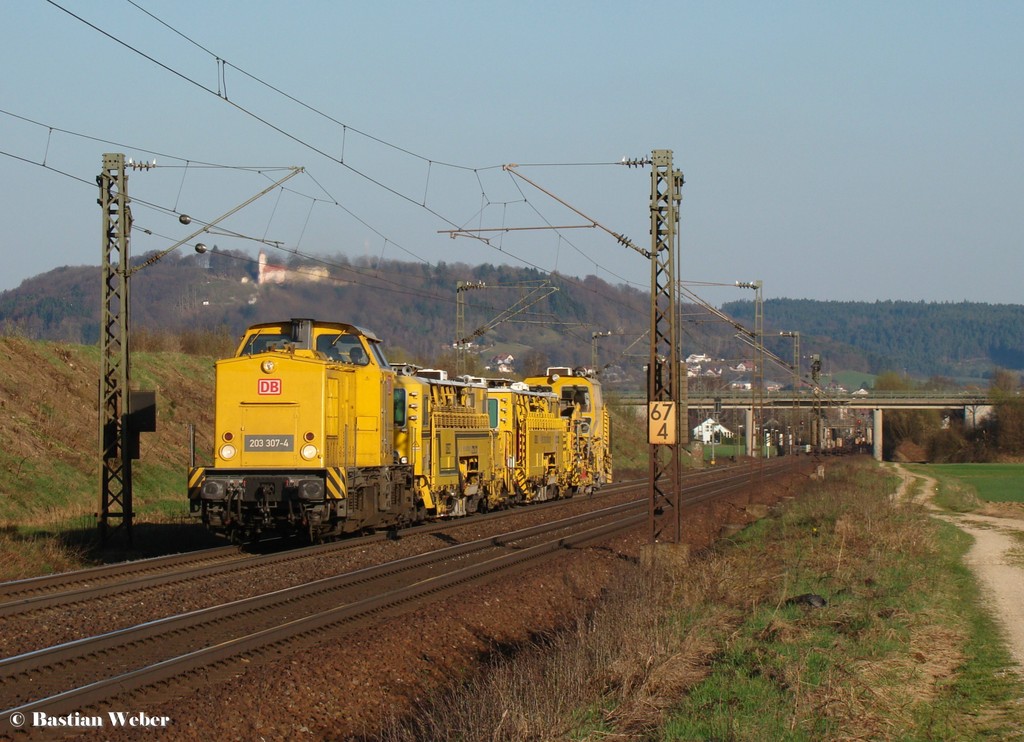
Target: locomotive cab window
[
  {"x": 261, "y": 343},
  {"x": 573, "y": 395},
  {"x": 344, "y": 348},
  {"x": 400, "y": 417},
  {"x": 379, "y": 355}
]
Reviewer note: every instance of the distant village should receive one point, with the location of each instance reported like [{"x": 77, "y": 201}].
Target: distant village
[{"x": 701, "y": 366}]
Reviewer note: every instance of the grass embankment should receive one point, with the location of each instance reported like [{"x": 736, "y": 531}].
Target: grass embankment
[
  {"x": 50, "y": 460},
  {"x": 718, "y": 649}
]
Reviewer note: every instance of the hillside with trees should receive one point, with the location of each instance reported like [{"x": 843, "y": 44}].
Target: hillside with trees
[
  {"x": 541, "y": 319},
  {"x": 958, "y": 340},
  {"x": 413, "y": 308},
  {"x": 201, "y": 304}
]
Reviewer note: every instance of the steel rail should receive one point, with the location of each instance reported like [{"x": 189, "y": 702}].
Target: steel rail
[
  {"x": 54, "y": 590},
  {"x": 30, "y": 664},
  {"x": 18, "y": 589},
  {"x": 94, "y": 692},
  {"x": 371, "y": 605}
]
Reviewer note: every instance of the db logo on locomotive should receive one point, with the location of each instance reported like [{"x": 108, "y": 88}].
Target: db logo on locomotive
[{"x": 268, "y": 386}]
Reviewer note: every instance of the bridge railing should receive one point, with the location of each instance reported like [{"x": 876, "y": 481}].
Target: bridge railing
[{"x": 732, "y": 397}]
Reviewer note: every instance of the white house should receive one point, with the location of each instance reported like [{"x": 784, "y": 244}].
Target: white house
[{"x": 710, "y": 429}]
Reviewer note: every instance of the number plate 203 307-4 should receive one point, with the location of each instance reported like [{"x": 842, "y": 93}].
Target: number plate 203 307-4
[{"x": 269, "y": 443}]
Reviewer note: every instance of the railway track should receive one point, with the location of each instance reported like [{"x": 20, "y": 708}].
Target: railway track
[
  {"x": 68, "y": 588},
  {"x": 72, "y": 675},
  {"x": 82, "y": 673}
]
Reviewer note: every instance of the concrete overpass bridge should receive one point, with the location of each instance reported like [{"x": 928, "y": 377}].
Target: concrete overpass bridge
[{"x": 973, "y": 405}]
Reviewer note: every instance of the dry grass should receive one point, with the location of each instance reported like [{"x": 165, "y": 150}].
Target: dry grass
[
  {"x": 712, "y": 648},
  {"x": 26, "y": 555},
  {"x": 49, "y": 458}
]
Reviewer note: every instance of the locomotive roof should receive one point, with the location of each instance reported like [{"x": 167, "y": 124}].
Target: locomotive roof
[{"x": 349, "y": 328}]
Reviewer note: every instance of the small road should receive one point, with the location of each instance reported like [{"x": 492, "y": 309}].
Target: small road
[{"x": 996, "y": 558}]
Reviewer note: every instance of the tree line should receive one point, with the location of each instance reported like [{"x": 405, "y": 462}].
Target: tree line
[{"x": 957, "y": 340}]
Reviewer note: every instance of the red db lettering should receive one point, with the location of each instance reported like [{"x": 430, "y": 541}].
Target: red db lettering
[{"x": 268, "y": 386}]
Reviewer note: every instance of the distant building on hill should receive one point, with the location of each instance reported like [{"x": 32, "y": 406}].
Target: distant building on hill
[{"x": 279, "y": 274}]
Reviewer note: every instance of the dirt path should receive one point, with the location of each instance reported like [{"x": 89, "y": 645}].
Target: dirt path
[{"x": 997, "y": 558}]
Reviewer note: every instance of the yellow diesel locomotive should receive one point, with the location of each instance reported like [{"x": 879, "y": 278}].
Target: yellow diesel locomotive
[
  {"x": 304, "y": 437},
  {"x": 316, "y": 433}
]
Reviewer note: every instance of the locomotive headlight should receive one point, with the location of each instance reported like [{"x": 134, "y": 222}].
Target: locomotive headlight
[
  {"x": 227, "y": 451},
  {"x": 268, "y": 366},
  {"x": 309, "y": 452},
  {"x": 311, "y": 489},
  {"x": 213, "y": 489}
]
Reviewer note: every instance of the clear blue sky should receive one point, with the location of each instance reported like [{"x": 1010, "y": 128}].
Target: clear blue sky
[{"x": 833, "y": 150}]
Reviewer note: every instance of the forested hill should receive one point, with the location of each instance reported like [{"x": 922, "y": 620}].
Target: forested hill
[
  {"x": 539, "y": 318},
  {"x": 412, "y": 307},
  {"x": 949, "y": 339}
]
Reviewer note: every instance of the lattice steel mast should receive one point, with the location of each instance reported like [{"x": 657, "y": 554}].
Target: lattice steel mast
[
  {"x": 666, "y": 415},
  {"x": 540, "y": 291},
  {"x": 757, "y": 440},
  {"x": 460, "y": 322},
  {"x": 124, "y": 413},
  {"x": 115, "y": 458}
]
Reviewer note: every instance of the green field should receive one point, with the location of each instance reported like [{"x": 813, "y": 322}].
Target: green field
[{"x": 990, "y": 482}]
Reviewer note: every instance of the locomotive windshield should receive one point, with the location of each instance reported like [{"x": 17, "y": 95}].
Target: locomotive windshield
[
  {"x": 574, "y": 395},
  {"x": 379, "y": 355},
  {"x": 261, "y": 343},
  {"x": 344, "y": 348}
]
